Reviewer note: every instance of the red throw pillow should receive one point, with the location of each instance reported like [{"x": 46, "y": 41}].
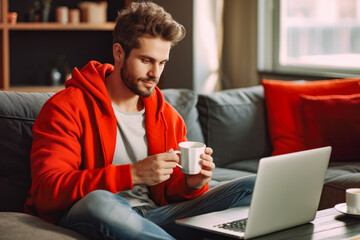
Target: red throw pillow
[
  {"x": 283, "y": 108},
  {"x": 333, "y": 121}
]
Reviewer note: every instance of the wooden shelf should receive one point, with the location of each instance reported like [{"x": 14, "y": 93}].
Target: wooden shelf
[
  {"x": 108, "y": 26},
  {"x": 8, "y": 31}
]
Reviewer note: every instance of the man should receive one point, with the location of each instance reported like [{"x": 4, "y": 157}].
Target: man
[{"x": 102, "y": 160}]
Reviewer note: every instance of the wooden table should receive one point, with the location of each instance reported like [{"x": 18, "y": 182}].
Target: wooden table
[{"x": 328, "y": 224}]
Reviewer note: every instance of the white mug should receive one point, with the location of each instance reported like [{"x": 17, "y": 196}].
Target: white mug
[
  {"x": 353, "y": 200},
  {"x": 190, "y": 156}
]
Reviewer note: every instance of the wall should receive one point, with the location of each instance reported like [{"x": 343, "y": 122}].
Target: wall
[
  {"x": 178, "y": 72},
  {"x": 239, "y": 44},
  {"x": 194, "y": 63},
  {"x": 36, "y": 52}
]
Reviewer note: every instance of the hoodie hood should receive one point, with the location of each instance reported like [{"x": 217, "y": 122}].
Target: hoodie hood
[{"x": 91, "y": 80}]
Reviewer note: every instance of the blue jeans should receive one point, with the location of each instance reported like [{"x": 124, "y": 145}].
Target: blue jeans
[{"x": 104, "y": 215}]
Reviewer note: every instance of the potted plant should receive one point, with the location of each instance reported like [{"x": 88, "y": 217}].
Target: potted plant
[
  {"x": 45, "y": 6},
  {"x": 33, "y": 12}
]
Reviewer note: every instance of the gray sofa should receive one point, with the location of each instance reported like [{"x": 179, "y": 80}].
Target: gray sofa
[{"x": 232, "y": 122}]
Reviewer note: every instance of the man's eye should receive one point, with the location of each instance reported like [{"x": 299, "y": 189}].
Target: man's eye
[{"x": 145, "y": 60}]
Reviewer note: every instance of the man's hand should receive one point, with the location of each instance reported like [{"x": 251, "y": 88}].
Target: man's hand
[
  {"x": 199, "y": 180},
  {"x": 154, "y": 169}
]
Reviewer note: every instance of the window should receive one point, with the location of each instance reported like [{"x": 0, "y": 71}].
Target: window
[{"x": 317, "y": 37}]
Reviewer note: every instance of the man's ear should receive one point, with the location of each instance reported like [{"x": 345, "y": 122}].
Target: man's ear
[{"x": 118, "y": 53}]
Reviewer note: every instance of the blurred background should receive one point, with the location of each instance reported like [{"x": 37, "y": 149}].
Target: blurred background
[{"x": 229, "y": 43}]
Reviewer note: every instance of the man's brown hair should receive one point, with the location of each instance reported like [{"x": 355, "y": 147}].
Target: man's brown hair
[{"x": 145, "y": 18}]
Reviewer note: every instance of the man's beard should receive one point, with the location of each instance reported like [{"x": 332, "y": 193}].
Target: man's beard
[{"x": 131, "y": 82}]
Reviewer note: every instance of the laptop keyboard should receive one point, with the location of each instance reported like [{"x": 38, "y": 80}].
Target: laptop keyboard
[{"x": 237, "y": 225}]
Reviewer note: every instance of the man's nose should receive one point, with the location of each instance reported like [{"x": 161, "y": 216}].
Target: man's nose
[{"x": 155, "y": 71}]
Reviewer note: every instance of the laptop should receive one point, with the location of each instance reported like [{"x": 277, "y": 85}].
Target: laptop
[{"x": 286, "y": 194}]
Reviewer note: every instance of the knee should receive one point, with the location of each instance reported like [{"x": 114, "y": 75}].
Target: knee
[
  {"x": 101, "y": 202},
  {"x": 101, "y": 213},
  {"x": 98, "y": 195},
  {"x": 249, "y": 182},
  {"x": 88, "y": 209},
  {"x": 95, "y": 199},
  {"x": 112, "y": 212},
  {"x": 243, "y": 185}
]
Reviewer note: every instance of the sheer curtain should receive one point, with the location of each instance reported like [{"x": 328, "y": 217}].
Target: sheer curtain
[
  {"x": 239, "y": 58},
  {"x": 207, "y": 44}
]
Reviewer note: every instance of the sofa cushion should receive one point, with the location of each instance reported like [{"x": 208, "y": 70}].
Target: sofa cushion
[
  {"x": 18, "y": 112},
  {"x": 339, "y": 177},
  {"x": 250, "y": 165},
  {"x": 333, "y": 121},
  {"x": 338, "y": 169},
  {"x": 283, "y": 108},
  {"x": 24, "y": 226},
  {"x": 184, "y": 101},
  {"x": 234, "y": 124}
]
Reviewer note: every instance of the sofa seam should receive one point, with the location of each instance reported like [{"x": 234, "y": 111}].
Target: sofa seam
[{"x": 17, "y": 118}]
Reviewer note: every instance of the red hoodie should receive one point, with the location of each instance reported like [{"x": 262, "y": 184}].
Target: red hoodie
[{"x": 74, "y": 143}]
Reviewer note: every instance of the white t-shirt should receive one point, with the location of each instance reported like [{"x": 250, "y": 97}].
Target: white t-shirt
[{"x": 131, "y": 147}]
